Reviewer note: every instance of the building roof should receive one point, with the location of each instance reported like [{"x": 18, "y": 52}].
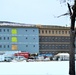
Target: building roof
[
  {"x": 7, "y": 23},
  {"x": 15, "y": 24}
]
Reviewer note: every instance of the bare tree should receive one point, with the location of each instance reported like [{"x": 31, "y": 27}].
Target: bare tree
[{"x": 72, "y": 13}]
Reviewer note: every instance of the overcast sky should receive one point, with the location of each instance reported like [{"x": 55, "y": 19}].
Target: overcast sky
[{"x": 42, "y": 12}]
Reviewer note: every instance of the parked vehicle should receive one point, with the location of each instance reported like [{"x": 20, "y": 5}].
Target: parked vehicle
[
  {"x": 8, "y": 59},
  {"x": 61, "y": 57},
  {"x": 25, "y": 54},
  {"x": 20, "y": 58}
]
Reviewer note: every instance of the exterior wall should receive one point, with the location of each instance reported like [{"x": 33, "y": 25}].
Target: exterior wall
[
  {"x": 54, "y": 39},
  {"x": 19, "y": 39}
]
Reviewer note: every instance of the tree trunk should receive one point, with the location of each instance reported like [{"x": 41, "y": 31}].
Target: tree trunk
[{"x": 72, "y": 45}]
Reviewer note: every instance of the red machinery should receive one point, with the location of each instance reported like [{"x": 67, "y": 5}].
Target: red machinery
[{"x": 25, "y": 54}]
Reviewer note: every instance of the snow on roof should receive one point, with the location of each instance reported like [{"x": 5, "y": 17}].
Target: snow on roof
[{"x": 6, "y": 23}]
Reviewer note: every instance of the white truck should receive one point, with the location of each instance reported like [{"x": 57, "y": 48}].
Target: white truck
[{"x": 61, "y": 57}]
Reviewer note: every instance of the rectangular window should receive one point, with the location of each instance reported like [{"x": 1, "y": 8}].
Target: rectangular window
[
  {"x": 0, "y": 46},
  {"x": 7, "y": 30},
  {"x": 33, "y": 30},
  {"x": 4, "y": 30},
  {"x": 14, "y": 47},
  {"x": 8, "y": 38},
  {"x": 4, "y": 38},
  {"x": 4, "y": 46},
  {"x": 62, "y": 32},
  {"x": 8, "y": 46},
  {"x": 14, "y": 39},
  {"x": 42, "y": 31},
  {"x": 0, "y": 30},
  {"x": 52, "y": 32},
  {"x": 14, "y": 31},
  {"x": 0, "y": 38}
]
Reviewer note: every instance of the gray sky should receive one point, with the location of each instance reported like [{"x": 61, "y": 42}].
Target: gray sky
[{"x": 34, "y": 12}]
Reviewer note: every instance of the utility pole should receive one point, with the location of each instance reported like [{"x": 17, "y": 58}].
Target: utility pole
[{"x": 72, "y": 39}]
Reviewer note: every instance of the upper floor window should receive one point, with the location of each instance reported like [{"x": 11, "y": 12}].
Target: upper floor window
[
  {"x": 39, "y": 31},
  {"x": 46, "y": 31},
  {"x": 4, "y": 46},
  {"x": 14, "y": 47},
  {"x": 4, "y": 38},
  {"x": 62, "y": 32},
  {"x": 33, "y": 30},
  {"x": 65, "y": 32},
  {"x": 4, "y": 30},
  {"x": 59, "y": 32},
  {"x": 0, "y": 38},
  {"x": 8, "y": 38},
  {"x": 14, "y": 31},
  {"x": 7, "y": 30},
  {"x": 33, "y": 38},
  {"x": 0, "y": 46},
  {"x": 26, "y": 37},
  {"x": 69, "y": 32},
  {"x": 26, "y": 45},
  {"x": 8, "y": 46},
  {"x": 0, "y": 30},
  {"x": 52, "y": 32},
  {"x": 42, "y": 31},
  {"x": 33, "y": 45},
  {"x": 49, "y": 31},
  {"x": 26, "y": 30},
  {"x": 56, "y": 32},
  {"x": 14, "y": 39}
]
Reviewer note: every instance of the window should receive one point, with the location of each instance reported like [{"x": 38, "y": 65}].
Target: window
[
  {"x": 0, "y": 38},
  {"x": 8, "y": 38},
  {"x": 42, "y": 31},
  {"x": 4, "y": 38},
  {"x": 56, "y": 32},
  {"x": 26, "y": 45},
  {"x": 42, "y": 46},
  {"x": 4, "y": 46},
  {"x": 33, "y": 45},
  {"x": 7, "y": 30},
  {"x": 62, "y": 32},
  {"x": 14, "y": 31},
  {"x": 4, "y": 30},
  {"x": 26, "y": 37},
  {"x": 59, "y": 32},
  {"x": 33, "y": 38},
  {"x": 39, "y": 31},
  {"x": 46, "y": 31},
  {"x": 0, "y": 46},
  {"x": 26, "y": 30},
  {"x": 53, "y": 46},
  {"x": 33, "y": 30},
  {"x": 65, "y": 32},
  {"x": 69, "y": 32},
  {"x": 49, "y": 31},
  {"x": 0, "y": 30},
  {"x": 52, "y": 32},
  {"x": 14, "y": 39},
  {"x": 63, "y": 46},
  {"x": 8, "y": 46},
  {"x": 14, "y": 47}
]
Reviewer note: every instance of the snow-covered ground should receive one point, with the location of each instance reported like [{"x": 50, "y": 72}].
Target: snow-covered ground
[{"x": 35, "y": 68}]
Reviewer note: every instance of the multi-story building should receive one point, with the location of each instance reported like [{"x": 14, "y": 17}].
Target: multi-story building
[
  {"x": 54, "y": 39},
  {"x": 34, "y": 38},
  {"x": 19, "y": 37}
]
